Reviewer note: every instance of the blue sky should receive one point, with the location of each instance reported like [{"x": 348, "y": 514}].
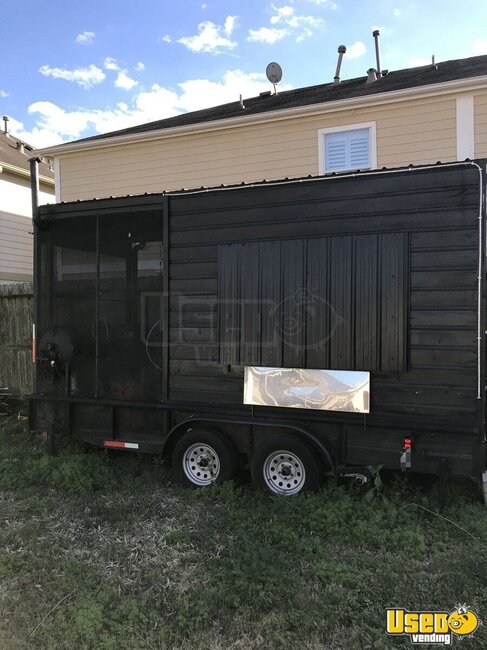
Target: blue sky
[{"x": 73, "y": 69}]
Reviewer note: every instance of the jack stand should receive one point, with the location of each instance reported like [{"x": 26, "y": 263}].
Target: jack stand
[
  {"x": 51, "y": 441},
  {"x": 484, "y": 486}
]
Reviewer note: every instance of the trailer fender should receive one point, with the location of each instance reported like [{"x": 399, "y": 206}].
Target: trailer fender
[{"x": 211, "y": 424}]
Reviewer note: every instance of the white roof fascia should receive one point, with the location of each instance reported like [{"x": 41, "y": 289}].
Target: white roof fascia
[
  {"x": 364, "y": 101},
  {"x": 18, "y": 171}
]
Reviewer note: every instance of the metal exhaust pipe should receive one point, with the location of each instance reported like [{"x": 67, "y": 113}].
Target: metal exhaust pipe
[
  {"x": 34, "y": 188},
  {"x": 371, "y": 75},
  {"x": 360, "y": 480},
  {"x": 341, "y": 51},
  {"x": 376, "y": 35}
]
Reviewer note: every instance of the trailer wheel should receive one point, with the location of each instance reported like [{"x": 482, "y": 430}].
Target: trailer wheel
[
  {"x": 285, "y": 465},
  {"x": 201, "y": 458}
]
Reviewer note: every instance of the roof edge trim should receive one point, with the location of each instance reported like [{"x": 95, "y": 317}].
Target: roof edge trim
[
  {"x": 431, "y": 90},
  {"x": 18, "y": 171}
]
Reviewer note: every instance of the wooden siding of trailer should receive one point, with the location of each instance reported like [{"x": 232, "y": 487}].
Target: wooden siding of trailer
[
  {"x": 416, "y": 132},
  {"x": 15, "y": 247},
  {"x": 356, "y": 297},
  {"x": 480, "y": 132},
  {"x": 439, "y": 214}
]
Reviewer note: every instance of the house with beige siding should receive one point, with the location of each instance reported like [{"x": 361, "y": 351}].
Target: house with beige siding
[
  {"x": 16, "y": 206},
  {"x": 416, "y": 116}
]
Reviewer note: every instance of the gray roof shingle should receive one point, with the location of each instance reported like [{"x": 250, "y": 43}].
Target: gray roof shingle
[{"x": 347, "y": 89}]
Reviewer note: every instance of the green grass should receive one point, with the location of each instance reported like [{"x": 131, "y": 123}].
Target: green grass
[{"x": 100, "y": 551}]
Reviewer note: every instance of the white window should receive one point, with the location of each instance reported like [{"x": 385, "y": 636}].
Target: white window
[{"x": 347, "y": 147}]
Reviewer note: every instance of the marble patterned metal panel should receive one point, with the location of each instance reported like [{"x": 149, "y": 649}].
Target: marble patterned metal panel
[{"x": 324, "y": 390}]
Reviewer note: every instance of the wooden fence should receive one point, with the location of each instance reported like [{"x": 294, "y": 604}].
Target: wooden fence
[{"x": 16, "y": 367}]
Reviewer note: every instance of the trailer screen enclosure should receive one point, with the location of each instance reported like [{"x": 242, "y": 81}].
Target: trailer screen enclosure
[
  {"x": 150, "y": 308},
  {"x": 102, "y": 284}
]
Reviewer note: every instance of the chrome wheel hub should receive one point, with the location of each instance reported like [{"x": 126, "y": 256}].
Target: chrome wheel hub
[
  {"x": 201, "y": 464},
  {"x": 284, "y": 472}
]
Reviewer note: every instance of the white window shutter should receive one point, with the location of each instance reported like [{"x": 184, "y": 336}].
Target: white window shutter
[
  {"x": 359, "y": 148},
  {"x": 347, "y": 150},
  {"x": 336, "y": 151}
]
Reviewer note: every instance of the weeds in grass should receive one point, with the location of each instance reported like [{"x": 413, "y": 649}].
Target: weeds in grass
[
  {"x": 102, "y": 552},
  {"x": 376, "y": 490},
  {"x": 24, "y": 462}
]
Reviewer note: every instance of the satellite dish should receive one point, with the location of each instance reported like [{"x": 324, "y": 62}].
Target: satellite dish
[{"x": 274, "y": 74}]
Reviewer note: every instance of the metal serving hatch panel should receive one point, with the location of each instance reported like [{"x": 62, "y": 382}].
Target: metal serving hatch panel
[{"x": 324, "y": 390}]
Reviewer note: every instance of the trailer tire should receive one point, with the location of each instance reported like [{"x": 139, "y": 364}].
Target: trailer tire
[
  {"x": 285, "y": 465},
  {"x": 202, "y": 458}
]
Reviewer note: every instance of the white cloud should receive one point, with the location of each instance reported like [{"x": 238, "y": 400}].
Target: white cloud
[
  {"x": 54, "y": 124},
  {"x": 85, "y": 38},
  {"x": 210, "y": 38},
  {"x": 234, "y": 83},
  {"x": 111, "y": 64},
  {"x": 285, "y": 21},
  {"x": 356, "y": 50},
  {"x": 267, "y": 34},
  {"x": 329, "y": 4},
  {"x": 3, "y": 94},
  {"x": 230, "y": 24},
  {"x": 479, "y": 46},
  {"x": 124, "y": 81},
  {"x": 306, "y": 33},
  {"x": 417, "y": 61},
  {"x": 204, "y": 5},
  {"x": 396, "y": 12},
  {"x": 166, "y": 38},
  {"x": 287, "y": 16},
  {"x": 282, "y": 14},
  {"x": 84, "y": 77}
]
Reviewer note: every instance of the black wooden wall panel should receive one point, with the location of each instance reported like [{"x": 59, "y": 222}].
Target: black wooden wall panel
[
  {"x": 366, "y": 303},
  {"x": 338, "y": 302},
  {"x": 436, "y": 211},
  {"x": 271, "y": 298},
  {"x": 394, "y": 300},
  {"x": 320, "y": 317},
  {"x": 230, "y": 312},
  {"x": 342, "y": 346},
  {"x": 249, "y": 299},
  {"x": 293, "y": 303}
]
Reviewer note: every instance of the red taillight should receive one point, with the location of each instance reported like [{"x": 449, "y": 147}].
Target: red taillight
[{"x": 408, "y": 443}]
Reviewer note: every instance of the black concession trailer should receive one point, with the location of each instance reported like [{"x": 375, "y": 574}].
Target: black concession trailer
[{"x": 302, "y": 327}]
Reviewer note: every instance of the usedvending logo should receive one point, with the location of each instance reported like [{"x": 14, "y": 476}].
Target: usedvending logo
[{"x": 433, "y": 627}]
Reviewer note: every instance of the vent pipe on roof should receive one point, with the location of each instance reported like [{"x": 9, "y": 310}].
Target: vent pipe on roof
[
  {"x": 341, "y": 51},
  {"x": 34, "y": 189},
  {"x": 5, "y": 124},
  {"x": 20, "y": 147},
  {"x": 376, "y": 35},
  {"x": 242, "y": 106},
  {"x": 371, "y": 75}
]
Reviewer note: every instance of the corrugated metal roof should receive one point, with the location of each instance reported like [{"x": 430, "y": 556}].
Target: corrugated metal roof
[
  {"x": 397, "y": 80},
  {"x": 261, "y": 183}
]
